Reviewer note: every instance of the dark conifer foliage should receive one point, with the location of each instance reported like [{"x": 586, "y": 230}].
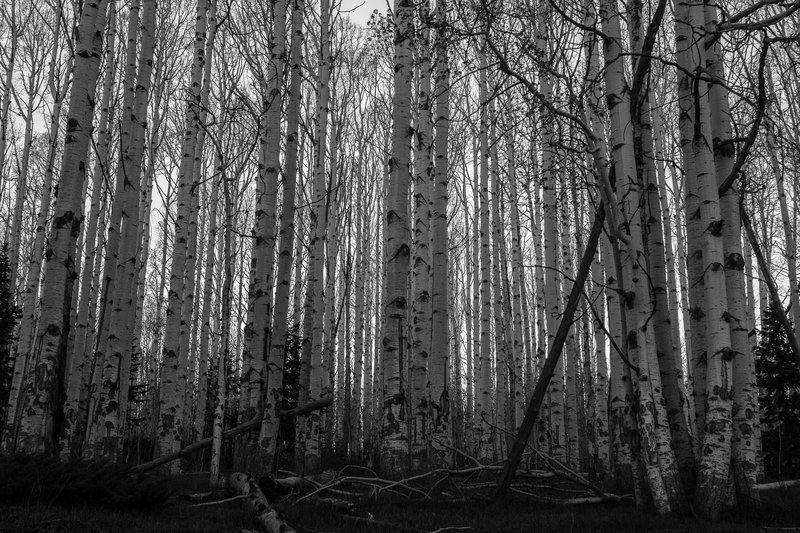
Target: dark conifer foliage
[
  {"x": 36, "y": 479},
  {"x": 779, "y": 400},
  {"x": 9, "y": 314}
]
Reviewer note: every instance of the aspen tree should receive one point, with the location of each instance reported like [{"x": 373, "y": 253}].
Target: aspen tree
[
  {"x": 277, "y": 351},
  {"x": 673, "y": 296},
  {"x": 366, "y": 404},
  {"x": 694, "y": 270},
  {"x": 582, "y": 357},
  {"x": 74, "y": 414},
  {"x": 314, "y": 384},
  {"x": 324, "y": 340},
  {"x": 439, "y": 389},
  {"x": 35, "y": 45},
  {"x": 514, "y": 354},
  {"x": 745, "y": 390},
  {"x": 786, "y": 221},
  {"x": 656, "y": 453},
  {"x": 394, "y": 446},
  {"x": 15, "y": 32},
  {"x": 474, "y": 363},
  {"x": 669, "y": 365},
  {"x": 625, "y": 440},
  {"x": 570, "y": 344},
  {"x": 715, "y": 430},
  {"x": 120, "y": 200},
  {"x": 552, "y": 285},
  {"x": 601, "y": 434},
  {"x": 225, "y": 327},
  {"x": 258, "y": 329},
  {"x": 522, "y": 332},
  {"x": 156, "y": 135},
  {"x": 535, "y": 213},
  {"x": 355, "y": 421},
  {"x": 208, "y": 290},
  {"x": 189, "y": 309},
  {"x": 420, "y": 331},
  {"x": 121, "y": 315},
  {"x": 37, "y": 425},
  {"x": 59, "y": 85},
  {"x": 483, "y": 394},
  {"x": 604, "y": 395},
  {"x": 500, "y": 359},
  {"x": 173, "y": 366}
]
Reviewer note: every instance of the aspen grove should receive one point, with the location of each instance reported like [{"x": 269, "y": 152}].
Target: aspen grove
[{"x": 459, "y": 235}]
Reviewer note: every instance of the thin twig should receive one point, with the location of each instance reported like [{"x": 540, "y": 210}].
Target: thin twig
[{"x": 217, "y": 502}]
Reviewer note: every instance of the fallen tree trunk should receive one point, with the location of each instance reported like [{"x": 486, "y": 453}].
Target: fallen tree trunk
[
  {"x": 778, "y": 485},
  {"x": 250, "y": 425},
  {"x": 245, "y": 485}
]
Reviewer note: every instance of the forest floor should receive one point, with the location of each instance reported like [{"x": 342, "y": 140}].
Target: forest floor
[{"x": 478, "y": 516}]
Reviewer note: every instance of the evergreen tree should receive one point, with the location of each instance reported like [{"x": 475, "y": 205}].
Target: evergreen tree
[
  {"x": 9, "y": 314},
  {"x": 779, "y": 400}
]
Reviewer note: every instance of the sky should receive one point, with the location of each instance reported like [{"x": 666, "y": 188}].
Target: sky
[{"x": 359, "y": 10}]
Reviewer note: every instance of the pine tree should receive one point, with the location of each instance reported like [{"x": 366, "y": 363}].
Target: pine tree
[
  {"x": 9, "y": 315},
  {"x": 779, "y": 401}
]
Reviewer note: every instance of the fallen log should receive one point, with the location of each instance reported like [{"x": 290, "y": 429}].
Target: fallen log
[
  {"x": 268, "y": 517},
  {"x": 778, "y": 485},
  {"x": 253, "y": 423},
  {"x": 608, "y": 498}
]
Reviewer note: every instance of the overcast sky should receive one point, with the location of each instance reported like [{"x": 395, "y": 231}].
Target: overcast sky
[{"x": 359, "y": 10}]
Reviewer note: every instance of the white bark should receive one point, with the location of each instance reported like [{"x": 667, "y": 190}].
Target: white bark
[
  {"x": 173, "y": 368},
  {"x": 37, "y": 427},
  {"x": 438, "y": 376},
  {"x": 395, "y": 298},
  {"x": 277, "y": 352},
  {"x": 421, "y": 281}
]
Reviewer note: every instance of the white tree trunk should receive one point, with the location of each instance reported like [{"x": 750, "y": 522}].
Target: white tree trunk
[
  {"x": 394, "y": 446},
  {"x": 174, "y": 364},
  {"x": 421, "y": 275},
  {"x": 269, "y": 426},
  {"x": 483, "y": 395},
  {"x": 37, "y": 425},
  {"x": 439, "y": 389}
]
